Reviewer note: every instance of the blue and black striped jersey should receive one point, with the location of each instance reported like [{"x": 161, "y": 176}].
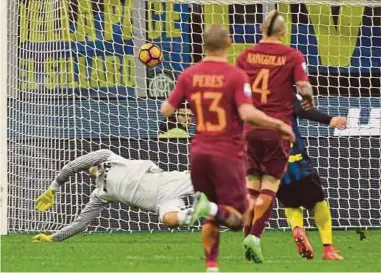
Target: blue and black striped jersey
[{"x": 299, "y": 163}]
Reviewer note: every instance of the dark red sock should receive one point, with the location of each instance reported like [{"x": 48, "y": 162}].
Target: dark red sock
[
  {"x": 230, "y": 217},
  {"x": 262, "y": 211},
  {"x": 210, "y": 235}
]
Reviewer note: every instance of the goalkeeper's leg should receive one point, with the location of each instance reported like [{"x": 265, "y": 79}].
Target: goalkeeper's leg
[
  {"x": 175, "y": 219},
  {"x": 173, "y": 215}
]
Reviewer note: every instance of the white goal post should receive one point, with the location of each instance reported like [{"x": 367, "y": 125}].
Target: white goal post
[
  {"x": 3, "y": 118},
  {"x": 74, "y": 85}
]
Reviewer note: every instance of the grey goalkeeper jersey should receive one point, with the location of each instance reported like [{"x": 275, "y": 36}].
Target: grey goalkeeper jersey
[{"x": 138, "y": 183}]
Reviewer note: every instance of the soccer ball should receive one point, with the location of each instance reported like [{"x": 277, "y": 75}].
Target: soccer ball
[{"x": 150, "y": 54}]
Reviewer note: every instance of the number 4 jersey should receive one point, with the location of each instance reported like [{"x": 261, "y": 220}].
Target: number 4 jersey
[
  {"x": 273, "y": 69},
  {"x": 214, "y": 90}
]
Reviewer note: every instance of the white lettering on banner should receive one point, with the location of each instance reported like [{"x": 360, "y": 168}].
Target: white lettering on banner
[{"x": 354, "y": 128}]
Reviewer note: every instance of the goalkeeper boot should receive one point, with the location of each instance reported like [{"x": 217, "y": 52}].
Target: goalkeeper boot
[
  {"x": 201, "y": 207},
  {"x": 253, "y": 248},
  {"x": 212, "y": 269},
  {"x": 331, "y": 253},
  {"x": 302, "y": 243}
]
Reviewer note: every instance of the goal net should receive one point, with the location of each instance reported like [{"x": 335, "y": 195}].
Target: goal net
[{"x": 75, "y": 86}]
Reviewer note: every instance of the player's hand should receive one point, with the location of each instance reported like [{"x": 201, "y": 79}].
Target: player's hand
[
  {"x": 306, "y": 105},
  {"x": 42, "y": 238},
  {"x": 46, "y": 200},
  {"x": 338, "y": 122},
  {"x": 286, "y": 132}
]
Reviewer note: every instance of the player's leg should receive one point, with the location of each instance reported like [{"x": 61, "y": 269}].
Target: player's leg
[
  {"x": 253, "y": 185},
  {"x": 314, "y": 199},
  {"x": 210, "y": 235},
  {"x": 275, "y": 152},
  {"x": 289, "y": 195},
  {"x": 262, "y": 211},
  {"x": 254, "y": 156},
  {"x": 173, "y": 214},
  {"x": 203, "y": 185},
  {"x": 229, "y": 193}
]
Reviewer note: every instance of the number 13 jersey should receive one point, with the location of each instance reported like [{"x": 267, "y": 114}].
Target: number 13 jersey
[
  {"x": 214, "y": 90},
  {"x": 273, "y": 69}
]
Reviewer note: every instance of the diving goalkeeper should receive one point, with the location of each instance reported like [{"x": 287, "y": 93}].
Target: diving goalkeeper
[{"x": 139, "y": 183}]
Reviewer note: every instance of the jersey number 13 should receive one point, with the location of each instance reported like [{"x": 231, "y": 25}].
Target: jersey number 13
[{"x": 213, "y": 101}]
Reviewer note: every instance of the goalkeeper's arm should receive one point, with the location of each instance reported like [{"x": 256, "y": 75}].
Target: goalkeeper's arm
[
  {"x": 47, "y": 199},
  {"x": 89, "y": 213},
  {"x": 80, "y": 164}
]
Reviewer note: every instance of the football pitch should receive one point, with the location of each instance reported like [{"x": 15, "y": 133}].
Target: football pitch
[{"x": 181, "y": 251}]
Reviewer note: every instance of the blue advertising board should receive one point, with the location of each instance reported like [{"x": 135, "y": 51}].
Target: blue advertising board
[{"x": 141, "y": 118}]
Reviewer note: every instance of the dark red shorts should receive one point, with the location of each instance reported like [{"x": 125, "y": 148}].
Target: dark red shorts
[
  {"x": 266, "y": 153},
  {"x": 222, "y": 179}
]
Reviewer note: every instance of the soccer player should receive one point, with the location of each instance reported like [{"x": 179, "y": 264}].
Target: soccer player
[
  {"x": 220, "y": 97},
  {"x": 273, "y": 69},
  {"x": 140, "y": 183},
  {"x": 301, "y": 187}
]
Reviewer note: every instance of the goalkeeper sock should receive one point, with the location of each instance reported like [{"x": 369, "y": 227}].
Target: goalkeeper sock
[
  {"x": 229, "y": 216},
  {"x": 210, "y": 236},
  {"x": 183, "y": 216},
  {"x": 323, "y": 222},
  {"x": 294, "y": 217},
  {"x": 249, "y": 214},
  {"x": 262, "y": 211}
]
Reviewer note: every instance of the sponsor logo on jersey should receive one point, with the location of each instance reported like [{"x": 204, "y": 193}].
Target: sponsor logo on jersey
[
  {"x": 295, "y": 158},
  {"x": 354, "y": 128}
]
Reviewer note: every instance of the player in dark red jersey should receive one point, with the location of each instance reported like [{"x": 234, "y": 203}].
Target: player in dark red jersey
[
  {"x": 273, "y": 69},
  {"x": 219, "y": 95}
]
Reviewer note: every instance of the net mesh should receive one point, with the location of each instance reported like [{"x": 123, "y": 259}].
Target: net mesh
[{"x": 75, "y": 85}]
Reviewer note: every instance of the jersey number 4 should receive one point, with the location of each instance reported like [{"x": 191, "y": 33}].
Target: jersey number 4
[
  {"x": 214, "y": 100},
  {"x": 261, "y": 84}
]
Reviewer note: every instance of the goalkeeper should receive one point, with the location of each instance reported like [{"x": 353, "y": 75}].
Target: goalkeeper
[
  {"x": 301, "y": 187},
  {"x": 139, "y": 183}
]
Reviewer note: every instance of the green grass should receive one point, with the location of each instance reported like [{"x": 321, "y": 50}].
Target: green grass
[{"x": 182, "y": 252}]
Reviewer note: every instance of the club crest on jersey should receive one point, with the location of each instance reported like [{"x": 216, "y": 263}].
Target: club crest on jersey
[{"x": 247, "y": 90}]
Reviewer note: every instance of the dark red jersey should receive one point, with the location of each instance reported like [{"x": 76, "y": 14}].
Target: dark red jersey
[
  {"x": 273, "y": 70},
  {"x": 214, "y": 91}
]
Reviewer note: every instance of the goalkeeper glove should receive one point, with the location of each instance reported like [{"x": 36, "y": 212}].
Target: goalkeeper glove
[
  {"x": 42, "y": 238},
  {"x": 46, "y": 200}
]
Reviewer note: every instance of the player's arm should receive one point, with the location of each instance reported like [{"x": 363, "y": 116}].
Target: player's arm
[
  {"x": 175, "y": 99},
  {"x": 47, "y": 199},
  {"x": 89, "y": 213},
  {"x": 249, "y": 113},
  {"x": 304, "y": 88},
  {"x": 315, "y": 115}
]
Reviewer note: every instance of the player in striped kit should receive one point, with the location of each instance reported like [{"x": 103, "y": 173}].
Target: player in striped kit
[
  {"x": 301, "y": 187},
  {"x": 140, "y": 183}
]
